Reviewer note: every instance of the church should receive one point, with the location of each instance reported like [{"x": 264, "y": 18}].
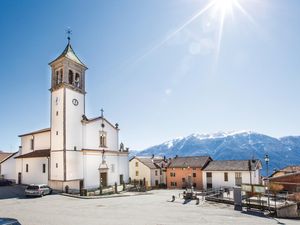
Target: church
[{"x": 76, "y": 151}]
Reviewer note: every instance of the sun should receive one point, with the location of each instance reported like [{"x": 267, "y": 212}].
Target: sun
[{"x": 225, "y": 5}]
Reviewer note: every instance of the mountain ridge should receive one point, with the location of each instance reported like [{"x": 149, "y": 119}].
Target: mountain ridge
[{"x": 230, "y": 145}]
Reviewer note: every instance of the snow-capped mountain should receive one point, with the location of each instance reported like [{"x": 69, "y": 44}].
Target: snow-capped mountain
[{"x": 232, "y": 145}]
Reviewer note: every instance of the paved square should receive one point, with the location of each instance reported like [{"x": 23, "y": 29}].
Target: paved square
[{"x": 151, "y": 209}]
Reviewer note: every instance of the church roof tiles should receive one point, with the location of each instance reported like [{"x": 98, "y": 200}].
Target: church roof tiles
[
  {"x": 35, "y": 154},
  {"x": 70, "y": 54}
]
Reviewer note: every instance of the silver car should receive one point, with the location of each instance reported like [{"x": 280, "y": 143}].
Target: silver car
[{"x": 38, "y": 190}]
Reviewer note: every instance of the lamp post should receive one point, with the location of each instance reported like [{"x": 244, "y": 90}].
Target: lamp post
[{"x": 267, "y": 159}]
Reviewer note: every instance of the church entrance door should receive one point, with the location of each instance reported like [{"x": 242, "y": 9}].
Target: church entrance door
[{"x": 103, "y": 177}]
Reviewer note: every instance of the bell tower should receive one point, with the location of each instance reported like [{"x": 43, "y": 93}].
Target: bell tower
[{"x": 67, "y": 108}]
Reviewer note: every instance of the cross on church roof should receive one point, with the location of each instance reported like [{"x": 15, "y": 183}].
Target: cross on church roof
[
  {"x": 102, "y": 112},
  {"x": 69, "y": 32}
]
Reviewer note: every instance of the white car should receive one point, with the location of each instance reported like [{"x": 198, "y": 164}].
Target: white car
[{"x": 37, "y": 190}]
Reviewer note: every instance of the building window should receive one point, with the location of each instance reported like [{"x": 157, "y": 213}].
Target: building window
[
  {"x": 156, "y": 182},
  {"x": 156, "y": 173},
  {"x": 44, "y": 168},
  {"x": 32, "y": 143},
  {"x": 183, "y": 180},
  {"x": 56, "y": 113},
  {"x": 136, "y": 173},
  {"x": 77, "y": 80},
  {"x": 225, "y": 176},
  {"x": 136, "y": 164},
  {"x": 172, "y": 174},
  {"x": 57, "y": 78},
  {"x": 160, "y": 172},
  {"x": 194, "y": 175},
  {"x": 194, "y": 168},
  {"x": 103, "y": 139},
  {"x": 71, "y": 78},
  {"x": 61, "y": 76},
  {"x": 112, "y": 168},
  {"x": 75, "y": 148},
  {"x": 194, "y": 185},
  {"x": 56, "y": 132},
  {"x": 56, "y": 165},
  {"x": 173, "y": 184},
  {"x": 27, "y": 168},
  {"x": 208, "y": 175}
]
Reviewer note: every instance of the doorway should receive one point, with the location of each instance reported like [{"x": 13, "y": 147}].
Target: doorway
[
  {"x": 208, "y": 180},
  {"x": 103, "y": 179},
  {"x": 121, "y": 179},
  {"x": 19, "y": 178}
]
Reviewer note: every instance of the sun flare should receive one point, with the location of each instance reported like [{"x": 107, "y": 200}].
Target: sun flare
[{"x": 225, "y": 5}]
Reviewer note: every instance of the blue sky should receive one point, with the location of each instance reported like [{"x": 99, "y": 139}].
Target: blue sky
[{"x": 157, "y": 79}]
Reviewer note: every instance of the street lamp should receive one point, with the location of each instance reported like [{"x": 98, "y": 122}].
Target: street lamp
[{"x": 267, "y": 159}]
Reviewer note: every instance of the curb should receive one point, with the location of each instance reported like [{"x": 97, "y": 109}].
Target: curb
[{"x": 103, "y": 196}]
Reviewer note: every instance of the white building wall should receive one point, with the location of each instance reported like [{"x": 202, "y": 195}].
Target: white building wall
[
  {"x": 73, "y": 120},
  {"x": 8, "y": 168},
  {"x": 42, "y": 141},
  {"x": 56, "y": 173},
  {"x": 143, "y": 171},
  {"x": 218, "y": 178},
  {"x": 74, "y": 165},
  {"x": 117, "y": 165},
  {"x": 91, "y": 136},
  {"x": 155, "y": 177},
  {"x": 35, "y": 173},
  {"x": 57, "y": 105}
]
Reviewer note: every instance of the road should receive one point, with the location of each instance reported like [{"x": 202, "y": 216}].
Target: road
[{"x": 152, "y": 209}]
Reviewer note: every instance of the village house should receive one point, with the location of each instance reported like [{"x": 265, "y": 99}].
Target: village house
[
  {"x": 151, "y": 170},
  {"x": 8, "y": 165},
  {"x": 285, "y": 170},
  {"x": 230, "y": 173},
  {"x": 184, "y": 172},
  {"x": 288, "y": 177},
  {"x": 75, "y": 151}
]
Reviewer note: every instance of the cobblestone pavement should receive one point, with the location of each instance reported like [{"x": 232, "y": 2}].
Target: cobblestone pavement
[{"x": 153, "y": 209}]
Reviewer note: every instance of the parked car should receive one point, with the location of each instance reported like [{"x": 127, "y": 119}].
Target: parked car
[
  {"x": 5, "y": 182},
  {"x": 9, "y": 221},
  {"x": 38, "y": 190}
]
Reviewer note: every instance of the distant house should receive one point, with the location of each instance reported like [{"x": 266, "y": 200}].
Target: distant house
[
  {"x": 288, "y": 177},
  {"x": 286, "y": 170},
  {"x": 149, "y": 169},
  {"x": 230, "y": 173},
  {"x": 8, "y": 165},
  {"x": 184, "y": 172}
]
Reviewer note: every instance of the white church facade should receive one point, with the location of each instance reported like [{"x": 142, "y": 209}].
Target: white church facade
[{"x": 75, "y": 151}]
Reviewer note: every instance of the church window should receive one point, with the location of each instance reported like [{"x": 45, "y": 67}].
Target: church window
[
  {"x": 77, "y": 80},
  {"x": 71, "y": 78},
  {"x": 56, "y": 132},
  {"x": 31, "y": 143},
  {"x": 57, "y": 78},
  {"x": 44, "y": 168},
  {"x": 136, "y": 164},
  {"x": 57, "y": 113},
  {"x": 27, "y": 168},
  {"x": 103, "y": 139},
  {"x": 137, "y": 173},
  {"x": 61, "y": 76},
  {"x": 156, "y": 173},
  {"x": 56, "y": 165}
]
